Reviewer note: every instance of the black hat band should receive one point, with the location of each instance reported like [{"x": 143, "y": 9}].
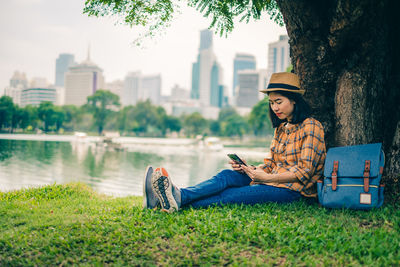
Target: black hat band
[{"x": 282, "y": 86}]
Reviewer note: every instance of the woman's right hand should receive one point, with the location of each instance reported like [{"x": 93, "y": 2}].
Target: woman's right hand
[{"x": 235, "y": 166}]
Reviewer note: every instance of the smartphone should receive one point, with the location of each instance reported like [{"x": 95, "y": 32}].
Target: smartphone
[{"x": 236, "y": 158}]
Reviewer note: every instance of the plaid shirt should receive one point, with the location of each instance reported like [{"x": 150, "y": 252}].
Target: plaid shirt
[{"x": 299, "y": 149}]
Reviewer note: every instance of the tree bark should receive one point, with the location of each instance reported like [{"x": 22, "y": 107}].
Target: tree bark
[{"x": 345, "y": 53}]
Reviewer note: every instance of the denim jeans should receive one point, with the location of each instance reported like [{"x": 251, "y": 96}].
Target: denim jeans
[{"x": 232, "y": 187}]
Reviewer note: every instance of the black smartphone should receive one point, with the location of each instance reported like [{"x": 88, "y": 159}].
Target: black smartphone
[{"x": 236, "y": 158}]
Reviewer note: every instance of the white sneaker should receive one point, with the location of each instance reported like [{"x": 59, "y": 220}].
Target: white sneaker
[
  {"x": 150, "y": 200},
  {"x": 162, "y": 187}
]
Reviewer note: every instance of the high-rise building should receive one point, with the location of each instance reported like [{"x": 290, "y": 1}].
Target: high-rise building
[
  {"x": 206, "y": 39},
  {"x": 249, "y": 84},
  {"x": 180, "y": 102},
  {"x": 138, "y": 87},
  {"x": 205, "y": 79},
  {"x": 35, "y": 96},
  {"x": 14, "y": 93},
  {"x": 216, "y": 87},
  {"x": 242, "y": 62},
  {"x": 223, "y": 98},
  {"x": 81, "y": 81},
  {"x": 63, "y": 62},
  {"x": 278, "y": 55},
  {"x": 19, "y": 80},
  {"x": 130, "y": 92},
  {"x": 178, "y": 94},
  {"x": 195, "y": 94},
  {"x": 38, "y": 82},
  {"x": 207, "y": 59},
  {"x": 151, "y": 89}
]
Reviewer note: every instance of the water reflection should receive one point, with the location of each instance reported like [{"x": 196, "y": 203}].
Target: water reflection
[
  {"x": 6, "y": 149},
  {"x": 33, "y": 163}
]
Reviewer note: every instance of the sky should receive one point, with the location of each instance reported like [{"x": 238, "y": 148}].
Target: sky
[{"x": 34, "y": 32}]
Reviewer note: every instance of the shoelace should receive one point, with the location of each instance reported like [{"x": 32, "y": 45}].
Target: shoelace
[{"x": 161, "y": 189}]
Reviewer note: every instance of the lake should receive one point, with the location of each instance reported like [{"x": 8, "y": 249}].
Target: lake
[{"x": 32, "y": 163}]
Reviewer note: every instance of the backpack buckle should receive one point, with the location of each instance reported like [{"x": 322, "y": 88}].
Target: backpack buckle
[
  {"x": 334, "y": 174},
  {"x": 367, "y": 169}
]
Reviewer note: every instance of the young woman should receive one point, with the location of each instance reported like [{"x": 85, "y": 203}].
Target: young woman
[{"x": 298, "y": 155}]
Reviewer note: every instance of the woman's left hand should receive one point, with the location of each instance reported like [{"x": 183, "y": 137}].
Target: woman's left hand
[{"x": 257, "y": 174}]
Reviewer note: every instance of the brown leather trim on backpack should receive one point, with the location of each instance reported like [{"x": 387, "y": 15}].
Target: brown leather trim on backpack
[
  {"x": 367, "y": 168},
  {"x": 334, "y": 174}
]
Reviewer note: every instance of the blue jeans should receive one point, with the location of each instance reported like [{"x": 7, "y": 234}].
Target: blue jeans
[{"x": 232, "y": 187}]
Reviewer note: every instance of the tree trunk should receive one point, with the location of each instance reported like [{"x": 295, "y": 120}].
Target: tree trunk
[{"x": 345, "y": 53}]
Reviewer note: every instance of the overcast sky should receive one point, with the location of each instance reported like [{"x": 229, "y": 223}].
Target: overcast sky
[{"x": 34, "y": 32}]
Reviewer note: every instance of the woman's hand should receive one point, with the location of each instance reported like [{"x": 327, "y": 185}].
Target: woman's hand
[
  {"x": 257, "y": 174},
  {"x": 236, "y": 167}
]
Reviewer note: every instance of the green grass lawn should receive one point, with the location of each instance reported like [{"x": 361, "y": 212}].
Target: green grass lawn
[{"x": 72, "y": 225}]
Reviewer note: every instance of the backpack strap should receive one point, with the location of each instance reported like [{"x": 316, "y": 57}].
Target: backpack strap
[
  {"x": 367, "y": 169},
  {"x": 334, "y": 174}
]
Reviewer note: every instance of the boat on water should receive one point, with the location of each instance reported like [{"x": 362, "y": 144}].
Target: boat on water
[
  {"x": 211, "y": 143},
  {"x": 109, "y": 141},
  {"x": 80, "y": 137}
]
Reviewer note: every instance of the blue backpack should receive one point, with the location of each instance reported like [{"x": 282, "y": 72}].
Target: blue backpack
[{"x": 352, "y": 177}]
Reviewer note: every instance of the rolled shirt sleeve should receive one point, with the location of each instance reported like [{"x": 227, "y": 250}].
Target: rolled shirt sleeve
[
  {"x": 269, "y": 165},
  {"x": 312, "y": 148}
]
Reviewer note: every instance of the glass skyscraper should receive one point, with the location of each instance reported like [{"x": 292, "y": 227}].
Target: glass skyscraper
[
  {"x": 195, "y": 94},
  {"x": 206, "y": 38},
  {"x": 63, "y": 62},
  {"x": 214, "y": 86},
  {"x": 242, "y": 62},
  {"x": 278, "y": 55},
  {"x": 202, "y": 71}
]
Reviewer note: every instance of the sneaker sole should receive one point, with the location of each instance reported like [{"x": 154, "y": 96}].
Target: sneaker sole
[
  {"x": 163, "y": 189},
  {"x": 146, "y": 173}
]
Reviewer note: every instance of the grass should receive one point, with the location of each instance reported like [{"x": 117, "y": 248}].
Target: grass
[{"x": 72, "y": 225}]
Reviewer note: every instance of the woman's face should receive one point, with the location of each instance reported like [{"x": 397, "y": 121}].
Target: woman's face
[{"x": 282, "y": 106}]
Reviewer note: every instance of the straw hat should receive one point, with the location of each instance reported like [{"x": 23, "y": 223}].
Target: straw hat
[{"x": 284, "y": 81}]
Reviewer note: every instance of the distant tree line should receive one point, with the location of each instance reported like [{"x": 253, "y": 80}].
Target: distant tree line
[{"x": 103, "y": 112}]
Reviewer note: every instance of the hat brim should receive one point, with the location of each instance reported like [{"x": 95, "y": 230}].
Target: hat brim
[{"x": 282, "y": 89}]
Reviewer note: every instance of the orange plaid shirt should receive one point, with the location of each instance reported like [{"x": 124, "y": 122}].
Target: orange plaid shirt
[{"x": 300, "y": 149}]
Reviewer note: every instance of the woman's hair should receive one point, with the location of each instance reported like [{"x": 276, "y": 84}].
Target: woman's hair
[{"x": 301, "y": 109}]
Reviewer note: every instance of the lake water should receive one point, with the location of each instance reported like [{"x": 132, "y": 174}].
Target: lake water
[{"x": 28, "y": 163}]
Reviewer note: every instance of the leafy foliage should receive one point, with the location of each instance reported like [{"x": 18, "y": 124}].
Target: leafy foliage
[
  {"x": 158, "y": 14},
  {"x": 223, "y": 13},
  {"x": 51, "y": 115},
  {"x": 72, "y": 116},
  {"x": 102, "y": 103},
  {"x": 155, "y": 15},
  {"x": 6, "y": 111},
  {"x": 194, "y": 124},
  {"x": 259, "y": 118},
  {"x": 231, "y": 123},
  {"x": 27, "y": 117},
  {"x": 173, "y": 124}
]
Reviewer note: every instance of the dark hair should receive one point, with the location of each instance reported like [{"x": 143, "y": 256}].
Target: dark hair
[{"x": 301, "y": 109}]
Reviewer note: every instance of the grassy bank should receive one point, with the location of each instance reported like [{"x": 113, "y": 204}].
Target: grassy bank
[{"x": 70, "y": 224}]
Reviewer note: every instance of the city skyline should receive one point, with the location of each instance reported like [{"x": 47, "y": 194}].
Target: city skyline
[{"x": 35, "y": 32}]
